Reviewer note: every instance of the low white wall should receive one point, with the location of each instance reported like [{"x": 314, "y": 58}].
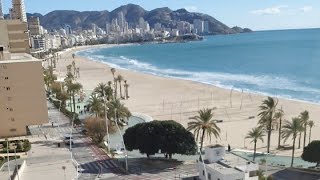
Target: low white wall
[
  {"x": 145, "y": 117},
  {"x": 20, "y": 171}
]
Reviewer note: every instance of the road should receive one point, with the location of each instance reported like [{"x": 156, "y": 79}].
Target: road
[{"x": 92, "y": 161}]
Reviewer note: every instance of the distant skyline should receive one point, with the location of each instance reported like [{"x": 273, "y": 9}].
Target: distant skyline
[{"x": 257, "y": 15}]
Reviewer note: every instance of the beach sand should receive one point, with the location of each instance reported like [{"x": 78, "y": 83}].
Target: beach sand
[{"x": 166, "y": 99}]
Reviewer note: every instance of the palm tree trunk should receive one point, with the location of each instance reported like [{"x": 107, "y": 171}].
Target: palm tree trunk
[
  {"x": 116, "y": 89},
  {"x": 74, "y": 103},
  {"x": 254, "y": 151},
  {"x": 293, "y": 147},
  {"x": 304, "y": 136},
  {"x": 202, "y": 138},
  {"x": 299, "y": 140},
  {"x": 310, "y": 135},
  {"x": 269, "y": 138},
  {"x": 279, "y": 137},
  {"x": 70, "y": 103},
  {"x": 120, "y": 90}
]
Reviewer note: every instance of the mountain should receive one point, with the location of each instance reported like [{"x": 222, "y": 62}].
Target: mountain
[{"x": 132, "y": 13}]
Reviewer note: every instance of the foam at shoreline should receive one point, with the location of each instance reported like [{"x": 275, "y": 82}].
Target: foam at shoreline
[{"x": 221, "y": 80}]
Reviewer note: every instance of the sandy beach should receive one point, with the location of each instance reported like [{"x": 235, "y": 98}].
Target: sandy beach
[{"x": 165, "y": 99}]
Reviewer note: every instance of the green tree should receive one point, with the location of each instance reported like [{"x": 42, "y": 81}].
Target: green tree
[
  {"x": 118, "y": 112},
  {"x": 310, "y": 124},
  {"x": 304, "y": 116},
  {"x": 175, "y": 139},
  {"x": 279, "y": 115},
  {"x": 292, "y": 128},
  {"x": 255, "y": 134},
  {"x": 311, "y": 153},
  {"x": 267, "y": 111},
  {"x": 169, "y": 137},
  {"x": 205, "y": 124},
  {"x": 96, "y": 106}
]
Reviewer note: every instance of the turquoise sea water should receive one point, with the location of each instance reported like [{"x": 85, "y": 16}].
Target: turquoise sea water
[{"x": 279, "y": 63}]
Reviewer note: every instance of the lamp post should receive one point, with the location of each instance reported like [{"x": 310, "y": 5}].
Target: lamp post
[
  {"x": 15, "y": 160},
  {"x": 71, "y": 137},
  {"x": 107, "y": 123},
  {"x": 124, "y": 146},
  {"x": 8, "y": 158}
]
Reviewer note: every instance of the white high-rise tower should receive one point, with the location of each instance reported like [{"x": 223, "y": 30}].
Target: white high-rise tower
[
  {"x": 18, "y": 10},
  {"x": 1, "y": 13}
]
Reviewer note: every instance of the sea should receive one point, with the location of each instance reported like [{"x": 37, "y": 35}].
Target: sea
[{"x": 282, "y": 63}]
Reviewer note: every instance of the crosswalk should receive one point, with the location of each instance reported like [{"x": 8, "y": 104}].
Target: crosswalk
[{"x": 98, "y": 167}]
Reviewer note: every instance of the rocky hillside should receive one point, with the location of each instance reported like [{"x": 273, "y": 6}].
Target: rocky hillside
[{"x": 132, "y": 12}]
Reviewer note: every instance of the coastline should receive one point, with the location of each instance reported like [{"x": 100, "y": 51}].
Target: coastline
[{"x": 178, "y": 99}]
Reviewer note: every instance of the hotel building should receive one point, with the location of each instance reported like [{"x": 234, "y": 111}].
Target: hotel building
[
  {"x": 22, "y": 94},
  {"x": 14, "y": 36}
]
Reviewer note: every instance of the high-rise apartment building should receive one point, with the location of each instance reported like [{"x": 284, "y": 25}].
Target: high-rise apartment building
[
  {"x": 198, "y": 26},
  {"x": 34, "y": 26},
  {"x": 1, "y": 12},
  {"x": 22, "y": 94},
  {"x": 18, "y": 10},
  {"x": 14, "y": 36}
]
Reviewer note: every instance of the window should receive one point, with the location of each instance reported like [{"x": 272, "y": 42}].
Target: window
[
  {"x": 8, "y": 88},
  {"x": 11, "y": 109},
  {"x": 13, "y": 130},
  {"x": 6, "y": 78},
  {"x": 203, "y": 173},
  {"x": 209, "y": 176},
  {"x": 12, "y": 119}
]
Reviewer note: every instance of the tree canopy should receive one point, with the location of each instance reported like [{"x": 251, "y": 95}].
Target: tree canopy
[
  {"x": 311, "y": 153},
  {"x": 168, "y": 137}
]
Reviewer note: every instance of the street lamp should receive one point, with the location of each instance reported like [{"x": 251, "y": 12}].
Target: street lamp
[
  {"x": 124, "y": 146},
  {"x": 107, "y": 122},
  {"x": 8, "y": 161}
]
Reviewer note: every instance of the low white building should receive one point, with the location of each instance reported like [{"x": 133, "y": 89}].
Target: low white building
[{"x": 219, "y": 165}]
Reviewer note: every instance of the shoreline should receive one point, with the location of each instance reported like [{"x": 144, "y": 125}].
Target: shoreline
[
  {"x": 245, "y": 91},
  {"x": 165, "y": 98}
]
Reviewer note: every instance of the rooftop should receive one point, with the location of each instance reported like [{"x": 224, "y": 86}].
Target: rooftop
[
  {"x": 222, "y": 169},
  {"x": 19, "y": 57}
]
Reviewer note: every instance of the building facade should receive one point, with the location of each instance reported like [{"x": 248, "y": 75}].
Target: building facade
[
  {"x": 218, "y": 164},
  {"x": 34, "y": 26},
  {"x": 22, "y": 94},
  {"x": 18, "y": 10},
  {"x": 14, "y": 36},
  {"x": 1, "y": 12}
]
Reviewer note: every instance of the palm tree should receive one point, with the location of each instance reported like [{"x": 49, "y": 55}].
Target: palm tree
[
  {"x": 96, "y": 105},
  {"x": 310, "y": 124},
  {"x": 120, "y": 79},
  {"x": 292, "y": 128},
  {"x": 279, "y": 115},
  {"x": 103, "y": 90},
  {"x": 255, "y": 134},
  {"x": 113, "y": 71},
  {"x": 69, "y": 68},
  {"x": 75, "y": 88},
  {"x": 74, "y": 67},
  {"x": 118, "y": 112},
  {"x": 204, "y": 123},
  {"x": 304, "y": 116},
  {"x": 126, "y": 86},
  {"x": 267, "y": 111}
]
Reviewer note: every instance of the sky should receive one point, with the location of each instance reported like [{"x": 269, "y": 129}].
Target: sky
[{"x": 254, "y": 14}]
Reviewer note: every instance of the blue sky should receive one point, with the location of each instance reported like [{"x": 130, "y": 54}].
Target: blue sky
[{"x": 255, "y": 14}]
